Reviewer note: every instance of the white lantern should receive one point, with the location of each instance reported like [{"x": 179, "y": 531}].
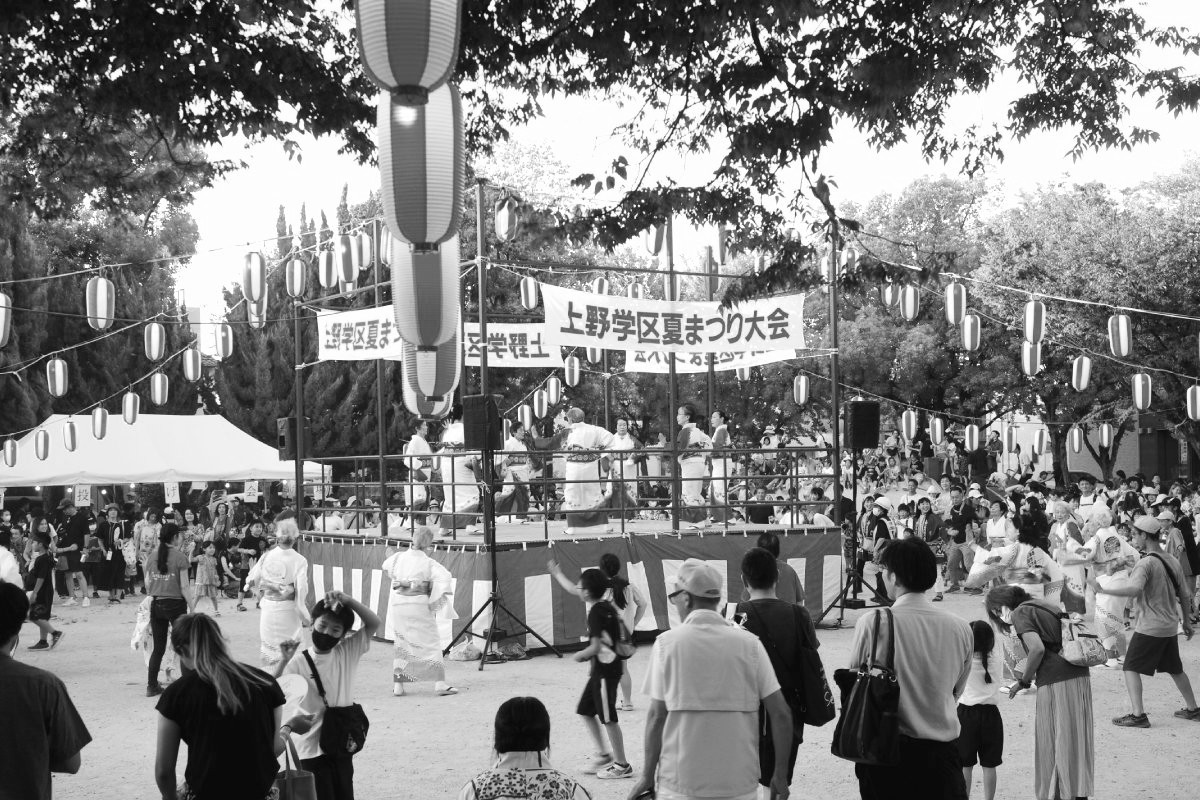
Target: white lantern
[
  {"x": 1031, "y": 358},
  {"x": 849, "y": 259},
  {"x": 1035, "y": 321},
  {"x": 408, "y": 48},
  {"x": 1010, "y": 439},
  {"x": 1075, "y": 439},
  {"x": 1081, "y": 373},
  {"x": 743, "y": 373},
  {"x": 328, "y": 274},
  {"x": 554, "y": 390},
  {"x": 594, "y": 355},
  {"x": 99, "y": 423},
  {"x": 525, "y": 415},
  {"x": 422, "y": 166},
  {"x": 655, "y": 236},
  {"x": 760, "y": 263},
  {"x": 889, "y": 293},
  {"x": 1141, "y": 391},
  {"x": 224, "y": 340},
  {"x": 908, "y": 424},
  {"x": 348, "y": 257},
  {"x": 937, "y": 430},
  {"x": 426, "y": 296},
  {"x": 131, "y": 406},
  {"x": 155, "y": 340},
  {"x": 1193, "y": 403},
  {"x": 10, "y": 452},
  {"x": 366, "y": 251},
  {"x": 254, "y": 277},
  {"x": 1120, "y": 335},
  {"x": 41, "y": 444},
  {"x": 506, "y": 426},
  {"x": 971, "y": 437},
  {"x": 256, "y": 314},
  {"x": 101, "y": 303},
  {"x": 827, "y": 269},
  {"x": 295, "y": 278},
  {"x": 69, "y": 434},
  {"x": 910, "y": 302},
  {"x": 635, "y": 290},
  {"x": 433, "y": 371},
  {"x": 1106, "y": 435},
  {"x": 159, "y": 389},
  {"x": 541, "y": 404},
  {"x": 5, "y": 318},
  {"x": 1041, "y": 441},
  {"x": 800, "y": 389},
  {"x": 600, "y": 286},
  {"x": 956, "y": 304},
  {"x": 419, "y": 404},
  {"x": 529, "y": 293},
  {"x": 506, "y": 219},
  {"x": 192, "y": 364},
  {"x": 969, "y": 332},
  {"x": 571, "y": 370},
  {"x": 56, "y": 377}
]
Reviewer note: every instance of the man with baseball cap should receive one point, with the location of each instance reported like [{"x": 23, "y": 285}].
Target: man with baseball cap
[
  {"x": 1156, "y": 585},
  {"x": 705, "y": 680}
]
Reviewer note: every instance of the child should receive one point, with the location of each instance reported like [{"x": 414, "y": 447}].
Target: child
[
  {"x": 93, "y": 556},
  {"x": 982, "y": 729},
  {"x": 229, "y": 577},
  {"x": 632, "y": 605},
  {"x": 599, "y": 697},
  {"x": 208, "y": 577},
  {"x": 41, "y": 592}
]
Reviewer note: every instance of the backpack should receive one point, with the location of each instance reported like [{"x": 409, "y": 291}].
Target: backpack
[{"x": 623, "y": 646}]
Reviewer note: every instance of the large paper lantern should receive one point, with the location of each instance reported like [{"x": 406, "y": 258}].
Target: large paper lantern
[
  {"x": 99, "y": 423},
  {"x": 541, "y": 404},
  {"x": 5, "y": 318},
  {"x": 328, "y": 274},
  {"x": 889, "y": 294},
  {"x": 937, "y": 430},
  {"x": 408, "y": 48},
  {"x": 101, "y": 303},
  {"x": 1031, "y": 358},
  {"x": 635, "y": 290},
  {"x": 154, "y": 338},
  {"x": 743, "y": 373},
  {"x": 554, "y": 390},
  {"x": 800, "y": 389},
  {"x": 969, "y": 332},
  {"x": 971, "y": 437},
  {"x": 1081, "y": 373},
  {"x": 366, "y": 251},
  {"x": 1106, "y": 434},
  {"x": 295, "y": 278},
  {"x": 908, "y": 424},
  {"x": 131, "y": 406},
  {"x": 159, "y": 389},
  {"x": 600, "y": 286},
  {"x": 69, "y": 435},
  {"x": 192, "y": 365},
  {"x": 1120, "y": 335},
  {"x": 910, "y": 302},
  {"x": 849, "y": 259},
  {"x": 41, "y": 444},
  {"x": 571, "y": 370},
  {"x": 1193, "y": 403},
  {"x": 422, "y": 166},
  {"x": 56, "y": 377},
  {"x": 10, "y": 452},
  {"x": 956, "y": 303},
  {"x": 1035, "y": 321},
  {"x": 1075, "y": 439},
  {"x": 655, "y": 236},
  {"x": 595, "y": 355},
  {"x": 506, "y": 219},
  {"x": 224, "y": 340},
  {"x": 1041, "y": 441},
  {"x": 426, "y": 297},
  {"x": 1141, "y": 390},
  {"x": 525, "y": 415},
  {"x": 349, "y": 258},
  {"x": 256, "y": 314},
  {"x": 529, "y": 293},
  {"x": 433, "y": 371},
  {"x": 1010, "y": 439},
  {"x": 827, "y": 270},
  {"x": 254, "y": 277},
  {"x": 419, "y": 404}
]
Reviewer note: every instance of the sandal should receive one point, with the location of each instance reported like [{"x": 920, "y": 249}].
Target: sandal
[{"x": 449, "y": 690}]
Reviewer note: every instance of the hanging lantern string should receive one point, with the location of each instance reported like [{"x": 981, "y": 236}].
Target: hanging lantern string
[
  {"x": 33, "y": 361},
  {"x": 125, "y": 388},
  {"x": 541, "y": 385}
]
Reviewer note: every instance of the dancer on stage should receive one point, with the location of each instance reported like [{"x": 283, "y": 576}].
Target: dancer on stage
[
  {"x": 582, "y": 498},
  {"x": 462, "y": 467},
  {"x": 722, "y": 467},
  {"x": 623, "y": 477},
  {"x": 693, "y": 446},
  {"x": 420, "y": 465},
  {"x": 520, "y": 470},
  {"x": 421, "y": 594}
]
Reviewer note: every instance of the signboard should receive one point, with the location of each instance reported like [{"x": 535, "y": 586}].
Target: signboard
[
  {"x": 83, "y": 496},
  {"x": 171, "y": 492},
  {"x": 251, "y": 492},
  {"x": 513, "y": 345},
  {"x": 698, "y": 362},
  {"x": 583, "y": 319}
]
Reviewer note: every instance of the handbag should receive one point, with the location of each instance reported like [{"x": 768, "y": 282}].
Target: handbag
[
  {"x": 868, "y": 731},
  {"x": 344, "y": 728},
  {"x": 292, "y": 782},
  {"x": 1080, "y": 645},
  {"x": 810, "y": 699}
]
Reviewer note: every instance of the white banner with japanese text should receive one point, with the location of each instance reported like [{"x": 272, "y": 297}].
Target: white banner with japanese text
[
  {"x": 656, "y": 362},
  {"x": 583, "y": 319},
  {"x": 513, "y": 345}
]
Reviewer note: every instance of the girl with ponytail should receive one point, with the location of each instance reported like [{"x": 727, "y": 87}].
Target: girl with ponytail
[
  {"x": 981, "y": 735},
  {"x": 170, "y": 599}
]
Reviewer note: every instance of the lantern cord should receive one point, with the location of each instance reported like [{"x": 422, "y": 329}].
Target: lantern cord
[
  {"x": 24, "y": 365},
  {"x": 126, "y": 388}
]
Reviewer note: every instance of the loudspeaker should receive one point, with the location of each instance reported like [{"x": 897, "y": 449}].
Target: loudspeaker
[
  {"x": 862, "y": 425},
  {"x": 482, "y": 427},
  {"x": 285, "y": 435}
]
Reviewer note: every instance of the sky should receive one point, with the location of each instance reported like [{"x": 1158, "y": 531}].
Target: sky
[{"x": 242, "y": 209}]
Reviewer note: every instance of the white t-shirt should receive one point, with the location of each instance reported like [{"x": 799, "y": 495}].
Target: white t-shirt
[
  {"x": 978, "y": 692},
  {"x": 337, "y": 669}
]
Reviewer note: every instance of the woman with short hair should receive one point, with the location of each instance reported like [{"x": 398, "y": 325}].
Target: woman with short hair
[{"x": 421, "y": 593}]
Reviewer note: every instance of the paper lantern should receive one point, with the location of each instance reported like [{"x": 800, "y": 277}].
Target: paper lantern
[
  {"x": 99, "y": 423},
  {"x": 506, "y": 428},
  {"x": 571, "y": 370},
  {"x": 910, "y": 302},
  {"x": 1075, "y": 439},
  {"x": 1035, "y": 321},
  {"x": 41, "y": 444},
  {"x": 69, "y": 434},
  {"x": 1106, "y": 434},
  {"x": 1120, "y": 335},
  {"x": 530, "y": 293},
  {"x": 1031, "y": 358},
  {"x": 348, "y": 255},
  {"x": 908, "y": 424},
  {"x": 1081, "y": 373},
  {"x": 969, "y": 332},
  {"x": 159, "y": 389},
  {"x": 426, "y": 296},
  {"x": 956, "y": 304},
  {"x": 525, "y": 415},
  {"x": 1141, "y": 390},
  {"x": 154, "y": 337},
  {"x": 366, "y": 251},
  {"x": 101, "y": 303},
  {"x": 433, "y": 371},
  {"x": 800, "y": 389},
  {"x": 408, "y": 48},
  {"x": 554, "y": 390},
  {"x": 655, "y": 236},
  {"x": 937, "y": 430},
  {"x": 600, "y": 286},
  {"x": 849, "y": 259},
  {"x": 506, "y": 219},
  {"x": 256, "y": 314},
  {"x": 224, "y": 340},
  {"x": 192, "y": 364},
  {"x": 889, "y": 294},
  {"x": 1193, "y": 403},
  {"x": 56, "y": 377},
  {"x": 1041, "y": 441},
  {"x": 419, "y": 404},
  {"x": 594, "y": 355},
  {"x": 254, "y": 277},
  {"x": 635, "y": 290},
  {"x": 5, "y": 318},
  {"x": 422, "y": 166},
  {"x": 327, "y": 270},
  {"x": 971, "y": 437},
  {"x": 1010, "y": 439},
  {"x": 760, "y": 263},
  {"x": 541, "y": 404},
  {"x": 131, "y": 406},
  {"x": 743, "y": 373},
  {"x": 295, "y": 278},
  {"x": 10, "y": 452}
]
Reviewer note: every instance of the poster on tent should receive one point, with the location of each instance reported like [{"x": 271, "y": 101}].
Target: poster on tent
[
  {"x": 513, "y": 345},
  {"x": 251, "y": 491},
  {"x": 689, "y": 363},
  {"x": 83, "y": 495},
  {"x": 171, "y": 492},
  {"x": 583, "y": 319}
]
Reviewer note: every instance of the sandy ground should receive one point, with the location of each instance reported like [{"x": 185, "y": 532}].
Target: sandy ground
[{"x": 424, "y": 746}]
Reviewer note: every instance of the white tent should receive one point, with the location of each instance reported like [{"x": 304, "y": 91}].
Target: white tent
[{"x": 158, "y": 448}]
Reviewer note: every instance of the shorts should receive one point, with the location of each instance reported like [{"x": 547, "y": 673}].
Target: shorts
[
  {"x": 981, "y": 735},
  {"x": 1150, "y": 654},
  {"x": 599, "y": 698},
  {"x": 39, "y": 611}
]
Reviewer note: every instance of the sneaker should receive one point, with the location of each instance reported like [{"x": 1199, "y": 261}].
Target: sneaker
[
  {"x": 1132, "y": 721},
  {"x": 1113, "y": 663},
  {"x": 1189, "y": 713},
  {"x": 70, "y": 601},
  {"x": 614, "y": 771},
  {"x": 87, "y": 601},
  {"x": 241, "y": 607},
  {"x": 952, "y": 589},
  {"x": 937, "y": 598},
  {"x": 41, "y": 645},
  {"x": 55, "y": 638},
  {"x": 625, "y": 707},
  {"x": 95, "y": 595},
  {"x": 597, "y": 762},
  {"x": 153, "y": 690}
]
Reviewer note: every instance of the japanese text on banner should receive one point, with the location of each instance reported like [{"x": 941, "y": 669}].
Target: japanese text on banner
[
  {"x": 583, "y": 319},
  {"x": 361, "y": 335},
  {"x": 686, "y": 363},
  {"x": 513, "y": 345}
]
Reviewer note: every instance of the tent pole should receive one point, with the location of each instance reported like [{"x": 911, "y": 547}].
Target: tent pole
[{"x": 298, "y": 410}]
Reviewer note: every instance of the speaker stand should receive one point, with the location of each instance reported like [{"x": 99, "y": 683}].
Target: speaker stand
[{"x": 848, "y": 597}]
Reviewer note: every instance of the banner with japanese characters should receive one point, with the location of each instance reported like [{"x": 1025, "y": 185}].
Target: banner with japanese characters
[
  {"x": 658, "y": 362},
  {"x": 513, "y": 345},
  {"x": 361, "y": 335},
  {"x": 583, "y": 319}
]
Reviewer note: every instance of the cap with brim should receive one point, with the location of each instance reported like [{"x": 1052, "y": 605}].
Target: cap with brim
[
  {"x": 883, "y": 503},
  {"x": 699, "y": 578},
  {"x": 1147, "y": 524},
  {"x": 1166, "y": 516},
  {"x": 66, "y": 502},
  {"x": 1159, "y": 500}
]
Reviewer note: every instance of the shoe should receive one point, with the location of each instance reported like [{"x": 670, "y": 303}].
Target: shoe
[
  {"x": 41, "y": 645},
  {"x": 614, "y": 771},
  {"x": 70, "y": 601},
  {"x": 953, "y": 589},
  {"x": 937, "y": 598},
  {"x": 449, "y": 690},
  {"x": 1132, "y": 721},
  {"x": 95, "y": 595},
  {"x": 112, "y": 601},
  {"x": 597, "y": 762},
  {"x": 241, "y": 607},
  {"x": 55, "y": 638},
  {"x": 973, "y": 591},
  {"x": 216, "y": 613},
  {"x": 1189, "y": 713},
  {"x": 154, "y": 690},
  {"x": 398, "y": 690},
  {"x": 87, "y": 601},
  {"x": 1112, "y": 663},
  {"x": 625, "y": 707}
]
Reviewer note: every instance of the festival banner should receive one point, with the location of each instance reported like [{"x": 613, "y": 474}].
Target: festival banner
[
  {"x": 364, "y": 334},
  {"x": 659, "y": 363},
  {"x": 513, "y": 345},
  {"x": 583, "y": 319}
]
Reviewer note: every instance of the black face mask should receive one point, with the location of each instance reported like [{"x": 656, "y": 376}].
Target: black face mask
[{"x": 323, "y": 641}]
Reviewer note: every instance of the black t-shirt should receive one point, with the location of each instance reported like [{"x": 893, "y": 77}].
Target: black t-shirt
[
  {"x": 759, "y": 513},
  {"x": 775, "y": 621},
  {"x": 959, "y": 518},
  {"x": 603, "y": 621},
  {"x": 230, "y": 757},
  {"x": 43, "y": 567}
]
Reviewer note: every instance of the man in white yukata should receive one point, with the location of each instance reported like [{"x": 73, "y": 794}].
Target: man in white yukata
[
  {"x": 582, "y": 501},
  {"x": 461, "y": 466},
  {"x": 420, "y": 465},
  {"x": 624, "y": 475}
]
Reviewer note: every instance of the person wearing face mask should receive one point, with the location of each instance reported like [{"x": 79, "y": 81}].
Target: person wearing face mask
[{"x": 333, "y": 660}]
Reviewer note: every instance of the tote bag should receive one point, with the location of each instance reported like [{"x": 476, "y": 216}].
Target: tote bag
[
  {"x": 868, "y": 731},
  {"x": 294, "y": 783}
]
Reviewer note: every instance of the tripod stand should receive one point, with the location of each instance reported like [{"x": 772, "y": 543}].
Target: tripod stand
[{"x": 848, "y": 596}]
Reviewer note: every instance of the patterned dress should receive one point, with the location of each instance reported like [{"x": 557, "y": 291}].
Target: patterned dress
[
  {"x": 414, "y": 616},
  {"x": 523, "y": 776}
]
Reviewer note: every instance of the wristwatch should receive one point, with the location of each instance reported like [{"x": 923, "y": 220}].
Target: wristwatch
[{"x": 285, "y": 729}]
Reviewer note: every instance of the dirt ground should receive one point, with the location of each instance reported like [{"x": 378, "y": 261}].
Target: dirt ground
[{"x": 424, "y": 746}]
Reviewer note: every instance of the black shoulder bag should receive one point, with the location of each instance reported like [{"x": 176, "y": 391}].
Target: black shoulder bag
[
  {"x": 808, "y": 694},
  {"x": 344, "y": 728},
  {"x": 868, "y": 732}
]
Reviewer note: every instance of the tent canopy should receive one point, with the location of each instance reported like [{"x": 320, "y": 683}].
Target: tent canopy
[{"x": 158, "y": 448}]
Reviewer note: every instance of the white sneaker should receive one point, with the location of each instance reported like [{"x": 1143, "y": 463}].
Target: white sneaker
[
  {"x": 70, "y": 601},
  {"x": 398, "y": 689},
  {"x": 597, "y": 762},
  {"x": 614, "y": 771},
  {"x": 87, "y": 601}
]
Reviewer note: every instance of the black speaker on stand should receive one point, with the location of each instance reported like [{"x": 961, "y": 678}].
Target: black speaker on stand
[{"x": 862, "y": 425}]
